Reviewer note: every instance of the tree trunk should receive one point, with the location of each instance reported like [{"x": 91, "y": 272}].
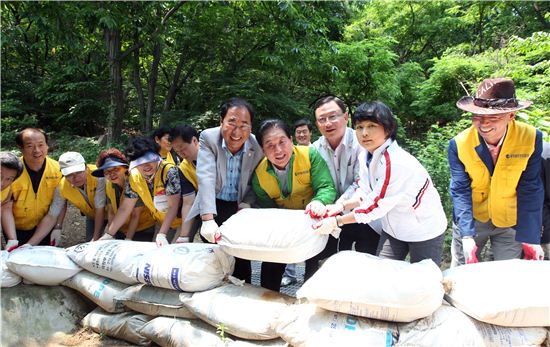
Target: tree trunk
[
  {"x": 116, "y": 112},
  {"x": 151, "y": 86},
  {"x": 136, "y": 81}
]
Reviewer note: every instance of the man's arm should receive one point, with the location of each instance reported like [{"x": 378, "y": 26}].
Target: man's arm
[
  {"x": 206, "y": 175},
  {"x": 8, "y": 222},
  {"x": 48, "y": 221},
  {"x": 321, "y": 180},
  {"x": 461, "y": 193}
]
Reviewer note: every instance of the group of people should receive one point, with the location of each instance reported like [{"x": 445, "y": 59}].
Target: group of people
[{"x": 356, "y": 183}]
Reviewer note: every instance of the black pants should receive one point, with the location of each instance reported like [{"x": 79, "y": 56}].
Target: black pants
[
  {"x": 271, "y": 276},
  {"x": 23, "y": 236},
  {"x": 225, "y": 209}
]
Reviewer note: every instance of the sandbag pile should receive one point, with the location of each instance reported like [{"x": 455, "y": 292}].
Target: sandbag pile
[
  {"x": 273, "y": 235},
  {"x": 9, "y": 279}
]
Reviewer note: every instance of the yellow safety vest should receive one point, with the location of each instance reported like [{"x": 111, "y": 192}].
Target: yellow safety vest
[
  {"x": 190, "y": 172},
  {"x": 73, "y": 195},
  {"x": 139, "y": 185},
  {"x": 494, "y": 197},
  {"x": 302, "y": 191},
  {"x": 145, "y": 218},
  {"x": 5, "y": 194},
  {"x": 29, "y": 207},
  {"x": 170, "y": 158}
]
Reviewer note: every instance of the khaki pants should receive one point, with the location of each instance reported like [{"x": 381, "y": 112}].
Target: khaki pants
[{"x": 503, "y": 243}]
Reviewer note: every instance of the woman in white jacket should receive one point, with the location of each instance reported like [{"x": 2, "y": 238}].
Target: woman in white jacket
[{"x": 395, "y": 188}]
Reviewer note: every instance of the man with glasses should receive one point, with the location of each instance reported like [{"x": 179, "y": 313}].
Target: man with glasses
[
  {"x": 496, "y": 184},
  {"x": 227, "y": 157},
  {"x": 339, "y": 148}
]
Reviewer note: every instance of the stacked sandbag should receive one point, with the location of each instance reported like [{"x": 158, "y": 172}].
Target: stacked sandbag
[
  {"x": 112, "y": 259},
  {"x": 100, "y": 290},
  {"x": 186, "y": 267},
  {"x": 513, "y": 293},
  {"x": 367, "y": 286},
  {"x": 245, "y": 311},
  {"x": 125, "y": 326},
  {"x": 155, "y": 301},
  {"x": 308, "y": 325},
  {"x": 448, "y": 326},
  {"x": 273, "y": 235},
  {"x": 44, "y": 265},
  {"x": 177, "y": 332},
  {"x": 9, "y": 279}
]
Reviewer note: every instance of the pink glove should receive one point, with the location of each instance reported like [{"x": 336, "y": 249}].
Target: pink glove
[
  {"x": 532, "y": 252},
  {"x": 316, "y": 209},
  {"x": 470, "y": 248}
]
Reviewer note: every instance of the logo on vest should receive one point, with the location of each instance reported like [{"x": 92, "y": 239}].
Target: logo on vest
[
  {"x": 298, "y": 173},
  {"x": 515, "y": 156}
]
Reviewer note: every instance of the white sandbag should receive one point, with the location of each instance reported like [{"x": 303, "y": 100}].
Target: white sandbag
[
  {"x": 246, "y": 311},
  {"x": 274, "y": 235},
  {"x": 307, "y": 325},
  {"x": 448, "y": 326},
  {"x": 186, "y": 267},
  {"x": 9, "y": 279},
  {"x": 177, "y": 332},
  {"x": 510, "y": 293},
  {"x": 45, "y": 265},
  {"x": 110, "y": 258},
  {"x": 155, "y": 301},
  {"x": 124, "y": 326},
  {"x": 100, "y": 290},
  {"x": 367, "y": 286}
]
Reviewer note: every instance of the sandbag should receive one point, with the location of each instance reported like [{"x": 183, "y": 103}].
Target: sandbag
[
  {"x": 448, "y": 326},
  {"x": 510, "y": 293},
  {"x": 274, "y": 235},
  {"x": 307, "y": 325},
  {"x": 9, "y": 279},
  {"x": 364, "y": 285},
  {"x": 177, "y": 332},
  {"x": 186, "y": 267},
  {"x": 110, "y": 258},
  {"x": 155, "y": 301},
  {"x": 124, "y": 326},
  {"x": 246, "y": 311},
  {"x": 45, "y": 265},
  {"x": 100, "y": 290}
]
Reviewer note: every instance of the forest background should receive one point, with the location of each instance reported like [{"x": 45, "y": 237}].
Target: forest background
[{"x": 94, "y": 74}]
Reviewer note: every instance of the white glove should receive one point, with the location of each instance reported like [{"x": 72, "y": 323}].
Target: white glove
[
  {"x": 243, "y": 205},
  {"x": 55, "y": 237},
  {"x": 334, "y": 209},
  {"x": 532, "y": 252},
  {"x": 327, "y": 226},
  {"x": 209, "y": 230},
  {"x": 316, "y": 209},
  {"x": 106, "y": 237},
  {"x": 183, "y": 239},
  {"x": 161, "y": 240},
  {"x": 11, "y": 245},
  {"x": 26, "y": 245},
  {"x": 470, "y": 248}
]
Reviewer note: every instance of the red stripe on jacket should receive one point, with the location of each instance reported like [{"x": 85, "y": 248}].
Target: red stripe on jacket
[{"x": 384, "y": 187}]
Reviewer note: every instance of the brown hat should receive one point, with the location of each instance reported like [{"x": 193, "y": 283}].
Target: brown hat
[{"x": 493, "y": 96}]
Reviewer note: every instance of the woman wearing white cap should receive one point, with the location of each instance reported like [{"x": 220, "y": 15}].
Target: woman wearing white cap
[
  {"x": 160, "y": 185},
  {"x": 112, "y": 165},
  {"x": 83, "y": 190}
]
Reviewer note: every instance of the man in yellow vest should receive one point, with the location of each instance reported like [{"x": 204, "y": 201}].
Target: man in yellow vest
[
  {"x": 496, "y": 184},
  {"x": 83, "y": 190},
  {"x": 185, "y": 141},
  {"x": 33, "y": 191}
]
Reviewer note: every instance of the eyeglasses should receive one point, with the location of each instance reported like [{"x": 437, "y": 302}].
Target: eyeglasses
[
  {"x": 331, "y": 118},
  {"x": 495, "y": 103}
]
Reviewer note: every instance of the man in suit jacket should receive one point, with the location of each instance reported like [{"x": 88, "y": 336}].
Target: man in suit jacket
[{"x": 228, "y": 155}]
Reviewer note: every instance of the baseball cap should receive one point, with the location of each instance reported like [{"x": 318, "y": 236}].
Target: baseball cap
[{"x": 70, "y": 162}]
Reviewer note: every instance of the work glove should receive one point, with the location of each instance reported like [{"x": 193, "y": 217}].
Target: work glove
[
  {"x": 334, "y": 209},
  {"x": 209, "y": 230},
  {"x": 327, "y": 226},
  {"x": 243, "y": 205},
  {"x": 106, "y": 237},
  {"x": 55, "y": 237},
  {"x": 532, "y": 252},
  {"x": 161, "y": 240},
  {"x": 183, "y": 239},
  {"x": 26, "y": 245},
  {"x": 470, "y": 248},
  {"x": 11, "y": 245},
  {"x": 316, "y": 209}
]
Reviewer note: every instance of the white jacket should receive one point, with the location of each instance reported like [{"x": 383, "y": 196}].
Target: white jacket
[{"x": 397, "y": 189}]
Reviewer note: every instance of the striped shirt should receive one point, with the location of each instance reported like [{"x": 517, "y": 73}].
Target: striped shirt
[{"x": 230, "y": 190}]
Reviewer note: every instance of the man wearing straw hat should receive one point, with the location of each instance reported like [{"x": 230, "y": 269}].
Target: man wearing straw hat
[{"x": 496, "y": 185}]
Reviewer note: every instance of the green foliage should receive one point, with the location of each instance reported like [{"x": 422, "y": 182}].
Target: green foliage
[{"x": 220, "y": 330}]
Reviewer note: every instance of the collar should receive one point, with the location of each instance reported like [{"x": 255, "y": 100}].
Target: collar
[
  {"x": 347, "y": 140},
  {"x": 499, "y": 142},
  {"x": 245, "y": 148}
]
